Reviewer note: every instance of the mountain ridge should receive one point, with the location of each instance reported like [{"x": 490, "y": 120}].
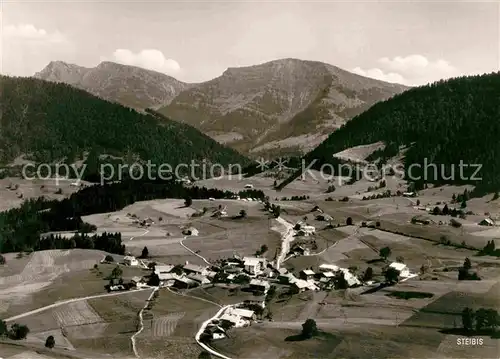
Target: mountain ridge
[
  {"x": 259, "y": 104},
  {"x": 131, "y": 86},
  {"x": 284, "y": 106}
]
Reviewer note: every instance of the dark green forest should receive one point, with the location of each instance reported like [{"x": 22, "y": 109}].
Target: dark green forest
[
  {"x": 21, "y": 228},
  {"x": 445, "y": 122},
  {"x": 50, "y": 121}
]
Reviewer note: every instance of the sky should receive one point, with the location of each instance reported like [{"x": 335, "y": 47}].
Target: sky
[{"x": 412, "y": 43}]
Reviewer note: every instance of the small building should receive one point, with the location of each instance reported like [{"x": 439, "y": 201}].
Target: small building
[
  {"x": 350, "y": 278},
  {"x": 409, "y": 194},
  {"x": 195, "y": 269},
  {"x": 421, "y": 220},
  {"x": 249, "y": 186},
  {"x": 329, "y": 268},
  {"x": 116, "y": 288},
  {"x": 254, "y": 265},
  {"x": 138, "y": 282},
  {"x": 306, "y": 274},
  {"x": 215, "y": 332},
  {"x": 324, "y": 217},
  {"x": 300, "y": 250},
  {"x": 191, "y": 231},
  {"x": 306, "y": 230},
  {"x": 301, "y": 285},
  {"x": 167, "y": 279},
  {"x": 371, "y": 224},
  {"x": 201, "y": 279},
  {"x": 130, "y": 261},
  {"x": 184, "y": 283},
  {"x": 243, "y": 313},
  {"x": 328, "y": 275},
  {"x": 260, "y": 285},
  {"x": 161, "y": 269},
  {"x": 233, "y": 320},
  {"x": 287, "y": 278},
  {"x": 487, "y": 222}
]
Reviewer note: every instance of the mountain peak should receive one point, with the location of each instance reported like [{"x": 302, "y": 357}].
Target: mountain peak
[{"x": 129, "y": 85}]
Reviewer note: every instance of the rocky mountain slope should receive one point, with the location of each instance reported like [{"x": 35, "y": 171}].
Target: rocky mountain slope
[
  {"x": 282, "y": 106},
  {"x": 128, "y": 85}
]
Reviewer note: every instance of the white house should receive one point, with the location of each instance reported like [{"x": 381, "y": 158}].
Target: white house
[
  {"x": 350, "y": 278},
  {"x": 130, "y": 261},
  {"x": 404, "y": 272},
  {"x": 254, "y": 265},
  {"x": 249, "y": 186}
]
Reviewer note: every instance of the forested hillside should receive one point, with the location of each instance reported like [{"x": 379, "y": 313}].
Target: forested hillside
[
  {"x": 445, "y": 123},
  {"x": 50, "y": 121}
]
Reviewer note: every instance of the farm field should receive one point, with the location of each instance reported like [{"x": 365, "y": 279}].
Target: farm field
[
  {"x": 173, "y": 321},
  {"x": 10, "y": 197}
]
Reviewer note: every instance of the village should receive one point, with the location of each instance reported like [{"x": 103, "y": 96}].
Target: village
[{"x": 254, "y": 275}]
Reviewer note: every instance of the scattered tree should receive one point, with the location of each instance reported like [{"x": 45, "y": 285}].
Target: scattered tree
[
  {"x": 188, "y": 201},
  {"x": 116, "y": 272},
  {"x": 348, "y": 221},
  {"x": 2, "y": 260},
  {"x": 385, "y": 252},
  {"x": 4, "y": 330},
  {"x": 467, "y": 264},
  {"x": 145, "y": 252},
  {"x": 368, "y": 275},
  {"x": 340, "y": 281},
  {"x": 154, "y": 280},
  {"x": 204, "y": 355},
  {"x": 391, "y": 275},
  {"x": 418, "y": 202},
  {"x": 400, "y": 259},
  {"x": 464, "y": 204},
  {"x": 50, "y": 342},
  {"x": 243, "y": 213},
  {"x": 309, "y": 328},
  {"x": 18, "y": 331},
  {"x": 109, "y": 259},
  {"x": 468, "y": 319}
]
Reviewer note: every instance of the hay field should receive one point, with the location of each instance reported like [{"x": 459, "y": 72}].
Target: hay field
[
  {"x": 175, "y": 321},
  {"x": 40, "y": 271},
  {"x": 9, "y": 198},
  {"x": 51, "y": 276}
]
